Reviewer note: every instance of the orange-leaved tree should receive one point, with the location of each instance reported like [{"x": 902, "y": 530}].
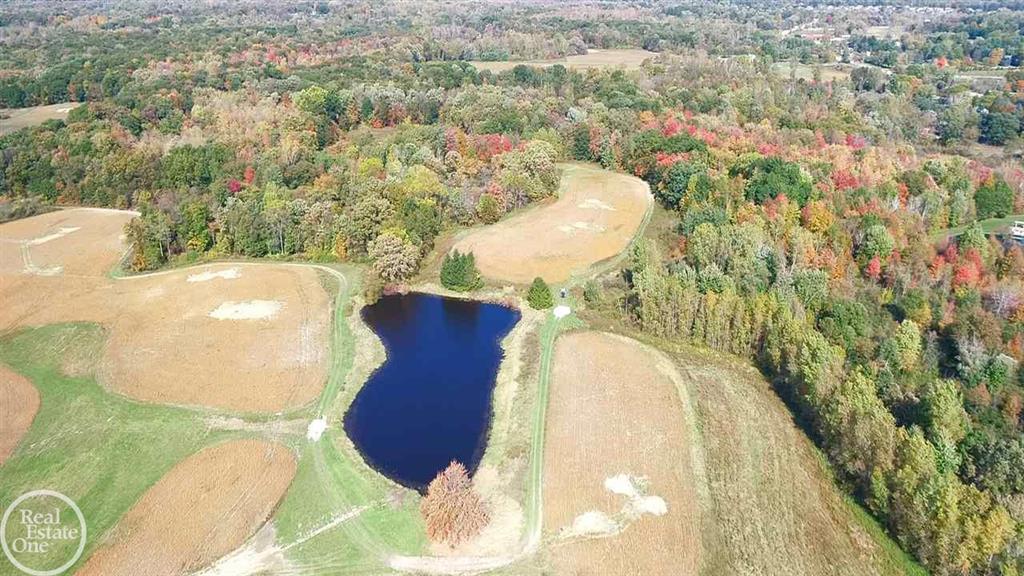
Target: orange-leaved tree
[{"x": 452, "y": 510}]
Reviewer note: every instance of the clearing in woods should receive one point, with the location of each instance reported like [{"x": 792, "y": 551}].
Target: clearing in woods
[
  {"x": 595, "y": 217},
  {"x": 13, "y": 119},
  {"x": 629, "y": 58},
  {"x": 619, "y": 477},
  {"x": 217, "y": 499}
]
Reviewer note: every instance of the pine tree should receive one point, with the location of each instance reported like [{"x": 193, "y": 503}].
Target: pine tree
[
  {"x": 459, "y": 273},
  {"x": 539, "y": 295}
]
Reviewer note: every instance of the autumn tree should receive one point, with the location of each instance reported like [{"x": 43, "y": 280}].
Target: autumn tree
[
  {"x": 394, "y": 258},
  {"x": 452, "y": 511}
]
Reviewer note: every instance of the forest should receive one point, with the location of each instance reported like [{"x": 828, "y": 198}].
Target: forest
[{"x": 838, "y": 228}]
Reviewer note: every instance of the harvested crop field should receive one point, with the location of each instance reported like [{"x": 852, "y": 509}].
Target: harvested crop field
[
  {"x": 594, "y": 218},
  {"x": 629, "y": 58},
  {"x": 205, "y": 507},
  {"x": 774, "y": 509},
  {"x": 78, "y": 241},
  {"x": 13, "y": 119},
  {"x": 620, "y": 486},
  {"x": 19, "y": 402},
  {"x": 249, "y": 337}
]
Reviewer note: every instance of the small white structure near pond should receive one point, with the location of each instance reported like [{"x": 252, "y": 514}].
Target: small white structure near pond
[{"x": 562, "y": 311}]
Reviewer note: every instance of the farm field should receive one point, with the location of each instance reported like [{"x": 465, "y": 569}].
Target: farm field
[
  {"x": 19, "y": 402},
  {"x": 217, "y": 498},
  {"x": 762, "y": 470},
  {"x": 239, "y": 336},
  {"x": 12, "y": 119},
  {"x": 594, "y": 58},
  {"x": 596, "y": 215},
  {"x": 620, "y": 488},
  {"x": 138, "y": 460}
]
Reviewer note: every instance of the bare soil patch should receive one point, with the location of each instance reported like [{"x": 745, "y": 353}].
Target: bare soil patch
[
  {"x": 13, "y": 119},
  {"x": 19, "y": 402},
  {"x": 594, "y": 219},
  {"x": 617, "y": 441},
  {"x": 205, "y": 507}
]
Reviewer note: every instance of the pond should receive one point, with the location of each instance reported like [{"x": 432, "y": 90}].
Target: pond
[{"x": 430, "y": 402}]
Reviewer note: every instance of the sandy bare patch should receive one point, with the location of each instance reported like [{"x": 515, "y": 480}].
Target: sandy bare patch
[
  {"x": 567, "y": 236},
  {"x": 19, "y": 402},
  {"x": 217, "y": 499},
  {"x": 248, "y": 310},
  {"x": 227, "y": 274},
  {"x": 618, "y": 480}
]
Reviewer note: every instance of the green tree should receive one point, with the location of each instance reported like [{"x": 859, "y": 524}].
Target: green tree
[
  {"x": 459, "y": 273},
  {"x": 998, "y": 128},
  {"x": 540, "y": 296},
  {"x": 994, "y": 199}
]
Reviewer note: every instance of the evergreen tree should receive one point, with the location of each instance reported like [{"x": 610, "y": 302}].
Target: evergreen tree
[
  {"x": 539, "y": 295},
  {"x": 459, "y": 273}
]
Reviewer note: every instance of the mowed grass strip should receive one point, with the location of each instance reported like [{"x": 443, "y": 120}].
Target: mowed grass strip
[
  {"x": 332, "y": 479},
  {"x": 774, "y": 505},
  {"x": 101, "y": 450}
]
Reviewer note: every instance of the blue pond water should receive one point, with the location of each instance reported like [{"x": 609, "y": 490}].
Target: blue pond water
[{"x": 430, "y": 403}]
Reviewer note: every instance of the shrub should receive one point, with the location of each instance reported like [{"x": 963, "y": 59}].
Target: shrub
[
  {"x": 452, "y": 511},
  {"x": 459, "y": 273},
  {"x": 539, "y": 295}
]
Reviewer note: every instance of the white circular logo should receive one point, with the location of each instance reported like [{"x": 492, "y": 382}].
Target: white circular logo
[{"x": 40, "y": 530}]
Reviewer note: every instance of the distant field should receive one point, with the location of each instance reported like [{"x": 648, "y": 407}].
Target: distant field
[
  {"x": 625, "y": 58},
  {"x": 595, "y": 217},
  {"x": 829, "y": 72},
  {"x": 988, "y": 226},
  {"x": 12, "y": 119}
]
